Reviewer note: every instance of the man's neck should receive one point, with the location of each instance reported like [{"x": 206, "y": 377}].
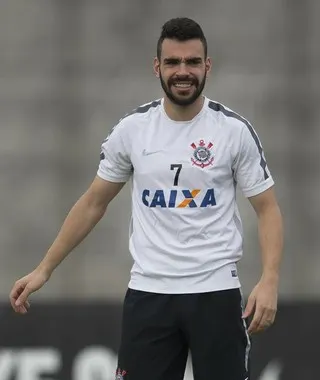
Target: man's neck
[{"x": 182, "y": 113}]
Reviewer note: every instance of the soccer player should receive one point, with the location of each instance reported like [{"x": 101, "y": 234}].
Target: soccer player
[{"x": 184, "y": 154}]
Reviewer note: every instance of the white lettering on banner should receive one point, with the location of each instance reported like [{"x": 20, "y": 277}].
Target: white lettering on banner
[
  {"x": 7, "y": 364},
  {"x": 272, "y": 371},
  {"x": 95, "y": 362},
  {"x": 29, "y": 364},
  {"x": 36, "y": 362}
]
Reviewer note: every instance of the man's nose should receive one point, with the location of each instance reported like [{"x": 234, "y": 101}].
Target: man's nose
[{"x": 183, "y": 70}]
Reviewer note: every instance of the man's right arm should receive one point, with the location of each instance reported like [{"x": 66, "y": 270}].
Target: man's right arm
[{"x": 82, "y": 218}]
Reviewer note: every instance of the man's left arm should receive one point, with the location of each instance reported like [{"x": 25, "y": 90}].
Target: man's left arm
[
  {"x": 262, "y": 302},
  {"x": 252, "y": 174}
]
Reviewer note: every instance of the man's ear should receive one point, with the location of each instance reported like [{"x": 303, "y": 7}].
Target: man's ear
[
  {"x": 156, "y": 67},
  {"x": 208, "y": 65}
]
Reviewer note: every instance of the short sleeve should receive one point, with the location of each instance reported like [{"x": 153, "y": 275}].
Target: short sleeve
[
  {"x": 250, "y": 167},
  {"x": 115, "y": 163}
]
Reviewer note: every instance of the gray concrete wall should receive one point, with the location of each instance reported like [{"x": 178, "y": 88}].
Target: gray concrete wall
[{"x": 70, "y": 69}]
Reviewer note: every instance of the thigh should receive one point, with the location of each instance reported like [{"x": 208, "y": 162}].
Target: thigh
[
  {"x": 218, "y": 337},
  {"x": 152, "y": 346}
]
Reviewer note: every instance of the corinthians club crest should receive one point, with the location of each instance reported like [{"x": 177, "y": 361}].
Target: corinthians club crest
[{"x": 202, "y": 154}]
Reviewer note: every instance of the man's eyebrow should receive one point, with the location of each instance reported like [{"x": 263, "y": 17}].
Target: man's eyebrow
[
  {"x": 179, "y": 59},
  {"x": 194, "y": 59},
  {"x": 172, "y": 59}
]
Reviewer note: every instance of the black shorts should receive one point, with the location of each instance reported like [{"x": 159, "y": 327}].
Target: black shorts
[{"x": 159, "y": 330}]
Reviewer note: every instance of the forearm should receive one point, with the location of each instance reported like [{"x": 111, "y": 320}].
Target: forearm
[
  {"x": 271, "y": 241},
  {"x": 81, "y": 219}
]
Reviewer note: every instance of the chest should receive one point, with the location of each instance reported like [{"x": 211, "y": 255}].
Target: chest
[{"x": 187, "y": 156}]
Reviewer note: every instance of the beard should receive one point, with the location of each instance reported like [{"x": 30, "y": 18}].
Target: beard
[{"x": 182, "y": 100}]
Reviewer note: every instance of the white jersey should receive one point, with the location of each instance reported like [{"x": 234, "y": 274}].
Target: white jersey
[{"x": 185, "y": 233}]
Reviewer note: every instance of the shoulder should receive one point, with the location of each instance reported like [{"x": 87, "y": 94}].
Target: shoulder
[
  {"x": 238, "y": 127},
  {"x": 227, "y": 116},
  {"x": 146, "y": 110},
  {"x": 130, "y": 121}
]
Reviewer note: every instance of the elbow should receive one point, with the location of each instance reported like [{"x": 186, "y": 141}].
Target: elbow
[{"x": 94, "y": 204}]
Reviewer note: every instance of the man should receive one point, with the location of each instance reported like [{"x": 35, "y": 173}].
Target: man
[{"x": 185, "y": 154}]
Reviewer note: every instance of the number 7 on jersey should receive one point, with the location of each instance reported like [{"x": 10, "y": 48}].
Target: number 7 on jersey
[{"x": 176, "y": 177}]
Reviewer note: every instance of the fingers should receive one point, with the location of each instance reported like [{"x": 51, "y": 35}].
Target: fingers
[
  {"x": 15, "y": 292},
  {"x": 22, "y": 309},
  {"x": 18, "y": 298},
  {"x": 263, "y": 318},
  {"x": 253, "y": 327},
  {"x": 22, "y": 299},
  {"x": 250, "y": 307}
]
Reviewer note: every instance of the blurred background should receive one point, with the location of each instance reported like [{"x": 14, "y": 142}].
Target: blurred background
[{"x": 69, "y": 70}]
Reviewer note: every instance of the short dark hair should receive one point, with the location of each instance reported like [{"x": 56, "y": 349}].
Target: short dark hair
[{"x": 181, "y": 29}]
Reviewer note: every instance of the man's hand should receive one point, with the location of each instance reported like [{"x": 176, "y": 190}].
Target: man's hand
[
  {"x": 262, "y": 303},
  {"x": 24, "y": 287},
  {"x": 82, "y": 218}
]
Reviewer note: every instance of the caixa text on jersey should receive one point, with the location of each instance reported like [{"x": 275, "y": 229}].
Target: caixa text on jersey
[{"x": 179, "y": 198}]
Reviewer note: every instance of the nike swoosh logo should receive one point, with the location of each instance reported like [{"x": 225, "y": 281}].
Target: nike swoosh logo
[{"x": 149, "y": 153}]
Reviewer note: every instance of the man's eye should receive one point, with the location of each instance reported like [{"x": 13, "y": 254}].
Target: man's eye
[
  {"x": 172, "y": 62},
  {"x": 194, "y": 62}
]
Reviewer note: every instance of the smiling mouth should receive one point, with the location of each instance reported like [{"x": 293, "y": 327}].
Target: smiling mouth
[{"x": 183, "y": 85}]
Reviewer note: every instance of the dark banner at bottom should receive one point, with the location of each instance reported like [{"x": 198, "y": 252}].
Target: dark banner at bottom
[{"x": 80, "y": 342}]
